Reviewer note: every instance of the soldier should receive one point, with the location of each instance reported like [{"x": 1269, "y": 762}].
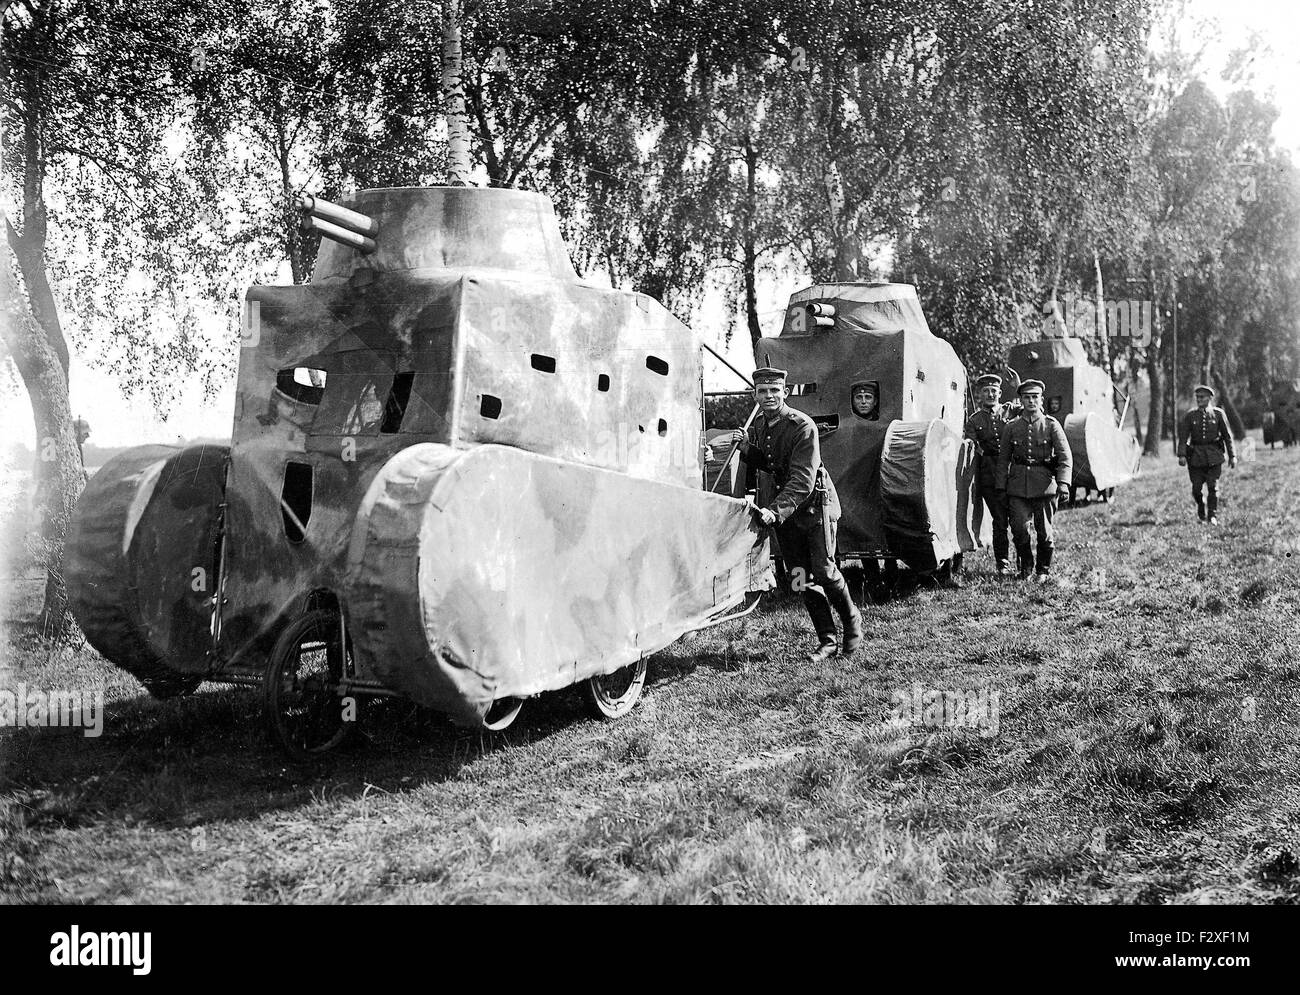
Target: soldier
[
  {"x": 1203, "y": 439},
  {"x": 864, "y": 400},
  {"x": 1033, "y": 468},
  {"x": 985, "y": 427},
  {"x": 805, "y": 511}
]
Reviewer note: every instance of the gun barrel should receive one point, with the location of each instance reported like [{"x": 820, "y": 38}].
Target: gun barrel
[
  {"x": 337, "y": 233},
  {"x": 336, "y": 214}
]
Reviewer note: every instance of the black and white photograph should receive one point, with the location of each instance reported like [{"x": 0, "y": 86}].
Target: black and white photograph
[{"x": 658, "y": 452}]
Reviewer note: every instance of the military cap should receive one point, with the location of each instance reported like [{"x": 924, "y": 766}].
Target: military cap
[
  {"x": 1028, "y": 385},
  {"x": 1202, "y": 387},
  {"x": 989, "y": 378},
  {"x": 768, "y": 374},
  {"x": 869, "y": 384}
]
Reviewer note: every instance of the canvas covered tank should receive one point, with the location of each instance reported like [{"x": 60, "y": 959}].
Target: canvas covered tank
[
  {"x": 1282, "y": 419},
  {"x": 1082, "y": 398},
  {"x": 903, "y": 473},
  {"x": 492, "y": 468}
]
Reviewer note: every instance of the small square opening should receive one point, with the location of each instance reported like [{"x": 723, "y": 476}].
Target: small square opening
[{"x": 489, "y": 406}]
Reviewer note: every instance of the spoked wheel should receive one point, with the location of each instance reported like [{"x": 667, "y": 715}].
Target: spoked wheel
[
  {"x": 502, "y": 713},
  {"x": 300, "y": 694},
  {"x": 612, "y": 696}
]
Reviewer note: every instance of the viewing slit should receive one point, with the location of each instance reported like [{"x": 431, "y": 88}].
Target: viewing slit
[
  {"x": 395, "y": 407},
  {"x": 296, "y": 499}
]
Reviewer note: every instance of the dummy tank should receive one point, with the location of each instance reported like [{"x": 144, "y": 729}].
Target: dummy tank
[
  {"x": 458, "y": 474},
  {"x": 903, "y": 472},
  {"x": 1282, "y": 419},
  {"x": 1082, "y": 398}
]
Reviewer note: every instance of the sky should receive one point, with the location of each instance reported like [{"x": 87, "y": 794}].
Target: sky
[{"x": 118, "y": 420}]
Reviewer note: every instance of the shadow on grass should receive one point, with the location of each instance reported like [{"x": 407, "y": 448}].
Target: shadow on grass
[{"x": 209, "y": 757}]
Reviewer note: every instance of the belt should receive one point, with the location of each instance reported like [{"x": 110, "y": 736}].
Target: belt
[{"x": 1027, "y": 462}]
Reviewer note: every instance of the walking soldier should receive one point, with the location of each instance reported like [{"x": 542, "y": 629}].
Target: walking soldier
[
  {"x": 985, "y": 427},
  {"x": 805, "y": 511},
  {"x": 1203, "y": 440},
  {"x": 1033, "y": 468}
]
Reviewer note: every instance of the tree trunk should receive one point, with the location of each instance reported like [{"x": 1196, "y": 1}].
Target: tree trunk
[
  {"x": 1235, "y": 423},
  {"x": 749, "y": 249},
  {"x": 1156, "y": 407},
  {"x": 58, "y": 472},
  {"x": 1100, "y": 313},
  {"x": 292, "y": 231},
  {"x": 458, "y": 158}
]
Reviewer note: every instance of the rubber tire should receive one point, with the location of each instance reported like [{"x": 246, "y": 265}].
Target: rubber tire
[
  {"x": 606, "y": 707},
  {"x": 321, "y": 625}
]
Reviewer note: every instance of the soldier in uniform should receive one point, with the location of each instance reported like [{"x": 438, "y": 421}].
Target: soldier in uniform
[
  {"x": 985, "y": 427},
  {"x": 863, "y": 397},
  {"x": 1203, "y": 440},
  {"x": 1033, "y": 468},
  {"x": 805, "y": 511}
]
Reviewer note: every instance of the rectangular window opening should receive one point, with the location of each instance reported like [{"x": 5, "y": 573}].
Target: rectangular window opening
[
  {"x": 602, "y": 382},
  {"x": 663, "y": 427},
  {"x": 399, "y": 395},
  {"x": 546, "y": 364},
  {"x": 656, "y": 365},
  {"x": 301, "y": 383},
  {"x": 800, "y": 389},
  {"x": 489, "y": 406},
  {"x": 296, "y": 500}
]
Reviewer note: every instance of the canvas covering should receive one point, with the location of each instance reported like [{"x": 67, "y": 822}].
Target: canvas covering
[
  {"x": 497, "y": 572},
  {"x": 141, "y": 562}
]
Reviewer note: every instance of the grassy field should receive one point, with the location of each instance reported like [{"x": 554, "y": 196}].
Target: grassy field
[{"x": 1147, "y": 750}]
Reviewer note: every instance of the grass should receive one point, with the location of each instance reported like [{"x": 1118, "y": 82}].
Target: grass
[{"x": 1147, "y": 751}]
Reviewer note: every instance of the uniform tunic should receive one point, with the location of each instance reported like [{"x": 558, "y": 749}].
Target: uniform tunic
[
  {"x": 1203, "y": 439},
  {"x": 788, "y": 449},
  {"x": 985, "y": 427},
  {"x": 1034, "y": 458},
  {"x": 1033, "y": 462}
]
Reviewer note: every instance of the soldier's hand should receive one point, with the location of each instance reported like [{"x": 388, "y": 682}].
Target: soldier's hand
[
  {"x": 738, "y": 438},
  {"x": 1063, "y": 494},
  {"x": 766, "y": 515},
  {"x": 1182, "y": 460}
]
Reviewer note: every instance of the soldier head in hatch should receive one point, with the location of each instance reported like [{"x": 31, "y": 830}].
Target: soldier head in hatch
[{"x": 865, "y": 399}]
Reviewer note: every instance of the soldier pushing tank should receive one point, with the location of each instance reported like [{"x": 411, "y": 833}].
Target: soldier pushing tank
[
  {"x": 784, "y": 443},
  {"x": 1033, "y": 469},
  {"x": 1203, "y": 442},
  {"x": 985, "y": 428}
]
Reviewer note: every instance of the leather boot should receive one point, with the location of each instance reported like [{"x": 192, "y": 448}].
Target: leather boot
[
  {"x": 1211, "y": 506},
  {"x": 1025, "y": 556},
  {"x": 1044, "y": 558},
  {"x": 1044, "y": 562},
  {"x": 823, "y": 620},
  {"x": 838, "y": 595}
]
